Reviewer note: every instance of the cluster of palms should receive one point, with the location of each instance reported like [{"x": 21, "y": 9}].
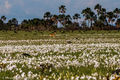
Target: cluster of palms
[
  {"x": 99, "y": 19},
  {"x": 12, "y": 23}
]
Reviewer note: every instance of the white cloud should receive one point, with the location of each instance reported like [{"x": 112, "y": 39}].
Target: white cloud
[{"x": 5, "y": 7}]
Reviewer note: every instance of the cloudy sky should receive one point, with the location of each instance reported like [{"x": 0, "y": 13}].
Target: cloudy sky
[{"x": 24, "y": 9}]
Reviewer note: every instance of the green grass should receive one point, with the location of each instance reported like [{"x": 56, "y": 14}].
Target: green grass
[{"x": 22, "y": 35}]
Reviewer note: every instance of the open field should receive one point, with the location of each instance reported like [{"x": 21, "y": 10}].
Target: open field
[{"x": 80, "y": 55}]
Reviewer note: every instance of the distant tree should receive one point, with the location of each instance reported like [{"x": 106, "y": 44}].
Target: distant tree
[
  {"x": 14, "y": 24},
  {"x": 98, "y": 8},
  {"x": 62, "y": 9},
  {"x": 103, "y": 11},
  {"x": 54, "y": 19},
  {"x": 47, "y": 16},
  {"x": 85, "y": 13},
  {"x": 99, "y": 25},
  {"x": 89, "y": 15},
  {"x": 116, "y": 12},
  {"x": 4, "y": 26},
  {"x": 68, "y": 18},
  {"x": 103, "y": 16},
  {"x": 76, "y": 17},
  {"x": 118, "y": 23},
  {"x": 101, "y": 19},
  {"x": 3, "y": 18},
  {"x": 110, "y": 16},
  {"x": 9, "y": 23},
  {"x": 1, "y": 24},
  {"x": 36, "y": 21},
  {"x": 61, "y": 19},
  {"x": 25, "y": 25}
]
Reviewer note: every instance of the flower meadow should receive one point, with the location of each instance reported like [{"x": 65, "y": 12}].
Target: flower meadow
[{"x": 59, "y": 59}]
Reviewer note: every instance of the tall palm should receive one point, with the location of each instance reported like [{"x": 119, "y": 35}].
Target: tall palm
[
  {"x": 62, "y": 9},
  {"x": 98, "y": 8},
  {"x": 85, "y": 14},
  {"x": 89, "y": 15},
  {"x": 92, "y": 17}
]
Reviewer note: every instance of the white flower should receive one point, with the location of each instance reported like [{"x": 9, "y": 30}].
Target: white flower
[{"x": 23, "y": 74}]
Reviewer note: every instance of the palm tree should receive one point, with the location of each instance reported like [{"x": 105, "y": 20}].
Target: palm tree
[
  {"x": 116, "y": 13},
  {"x": 85, "y": 13},
  {"x": 68, "y": 20},
  {"x": 48, "y": 22},
  {"x": 110, "y": 16},
  {"x": 61, "y": 18},
  {"x": 24, "y": 25},
  {"x": 98, "y": 8},
  {"x": 14, "y": 21},
  {"x": 54, "y": 17},
  {"x": 101, "y": 15},
  {"x": 3, "y": 18},
  {"x": 14, "y": 24},
  {"x": 62, "y": 9},
  {"x": 92, "y": 17},
  {"x": 103, "y": 11},
  {"x": 102, "y": 18},
  {"x": 101, "y": 22},
  {"x": 4, "y": 26},
  {"x": 89, "y": 15},
  {"x": 76, "y": 17},
  {"x": 47, "y": 16},
  {"x": 9, "y": 23}
]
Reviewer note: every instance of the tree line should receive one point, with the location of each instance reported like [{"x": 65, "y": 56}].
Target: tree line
[{"x": 97, "y": 19}]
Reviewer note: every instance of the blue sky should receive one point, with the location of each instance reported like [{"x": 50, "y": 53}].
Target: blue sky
[{"x": 26, "y": 9}]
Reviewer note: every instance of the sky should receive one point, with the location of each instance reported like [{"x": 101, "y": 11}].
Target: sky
[{"x": 27, "y": 9}]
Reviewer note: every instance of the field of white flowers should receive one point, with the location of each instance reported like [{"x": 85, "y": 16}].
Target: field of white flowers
[{"x": 81, "y": 58}]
